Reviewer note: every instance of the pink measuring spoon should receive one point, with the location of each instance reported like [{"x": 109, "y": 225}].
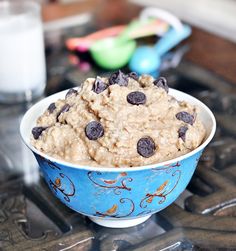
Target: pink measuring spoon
[{"x": 83, "y": 44}]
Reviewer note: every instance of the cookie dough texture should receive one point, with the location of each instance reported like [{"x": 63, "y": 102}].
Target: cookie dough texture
[{"x": 124, "y": 124}]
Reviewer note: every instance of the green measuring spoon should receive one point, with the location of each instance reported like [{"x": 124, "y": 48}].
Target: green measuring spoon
[{"x": 113, "y": 53}]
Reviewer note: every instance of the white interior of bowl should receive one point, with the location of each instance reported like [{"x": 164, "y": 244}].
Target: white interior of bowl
[{"x": 29, "y": 121}]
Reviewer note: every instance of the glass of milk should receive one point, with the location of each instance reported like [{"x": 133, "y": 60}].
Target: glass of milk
[{"x": 22, "y": 57}]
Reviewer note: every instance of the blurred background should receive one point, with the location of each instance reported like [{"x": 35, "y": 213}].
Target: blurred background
[
  {"x": 191, "y": 43},
  {"x": 207, "y": 17},
  {"x": 215, "y": 16}
]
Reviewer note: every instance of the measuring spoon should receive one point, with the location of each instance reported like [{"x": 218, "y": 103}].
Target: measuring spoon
[{"x": 147, "y": 59}]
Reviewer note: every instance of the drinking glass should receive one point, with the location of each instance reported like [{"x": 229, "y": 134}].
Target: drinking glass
[{"x": 22, "y": 56}]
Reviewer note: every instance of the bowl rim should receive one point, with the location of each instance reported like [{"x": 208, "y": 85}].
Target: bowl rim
[{"x": 121, "y": 169}]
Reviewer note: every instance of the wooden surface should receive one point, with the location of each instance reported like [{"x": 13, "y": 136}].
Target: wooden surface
[
  {"x": 214, "y": 53},
  {"x": 209, "y": 51},
  {"x": 55, "y": 11}
]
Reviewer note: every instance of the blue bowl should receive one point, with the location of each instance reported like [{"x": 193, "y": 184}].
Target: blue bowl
[{"x": 117, "y": 197}]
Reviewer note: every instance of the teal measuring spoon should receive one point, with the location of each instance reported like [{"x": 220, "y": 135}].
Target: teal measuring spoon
[{"x": 147, "y": 59}]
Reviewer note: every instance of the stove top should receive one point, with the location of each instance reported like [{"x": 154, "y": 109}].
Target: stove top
[{"x": 203, "y": 218}]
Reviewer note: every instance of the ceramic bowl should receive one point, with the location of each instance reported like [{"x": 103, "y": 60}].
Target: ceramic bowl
[{"x": 117, "y": 197}]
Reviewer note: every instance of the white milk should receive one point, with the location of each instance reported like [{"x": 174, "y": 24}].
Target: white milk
[{"x": 22, "y": 59}]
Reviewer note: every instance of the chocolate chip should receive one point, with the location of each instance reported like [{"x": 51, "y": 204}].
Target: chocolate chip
[
  {"x": 71, "y": 92},
  {"x": 146, "y": 147},
  {"x": 99, "y": 86},
  {"x": 94, "y": 130},
  {"x": 37, "y": 131},
  {"x": 118, "y": 78},
  {"x": 136, "y": 98},
  {"x": 162, "y": 83},
  {"x": 185, "y": 117},
  {"x": 133, "y": 75},
  {"x": 182, "y": 132},
  {"x": 51, "y": 107},
  {"x": 65, "y": 108}
]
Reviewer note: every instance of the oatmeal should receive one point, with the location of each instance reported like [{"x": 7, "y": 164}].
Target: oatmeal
[{"x": 120, "y": 121}]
